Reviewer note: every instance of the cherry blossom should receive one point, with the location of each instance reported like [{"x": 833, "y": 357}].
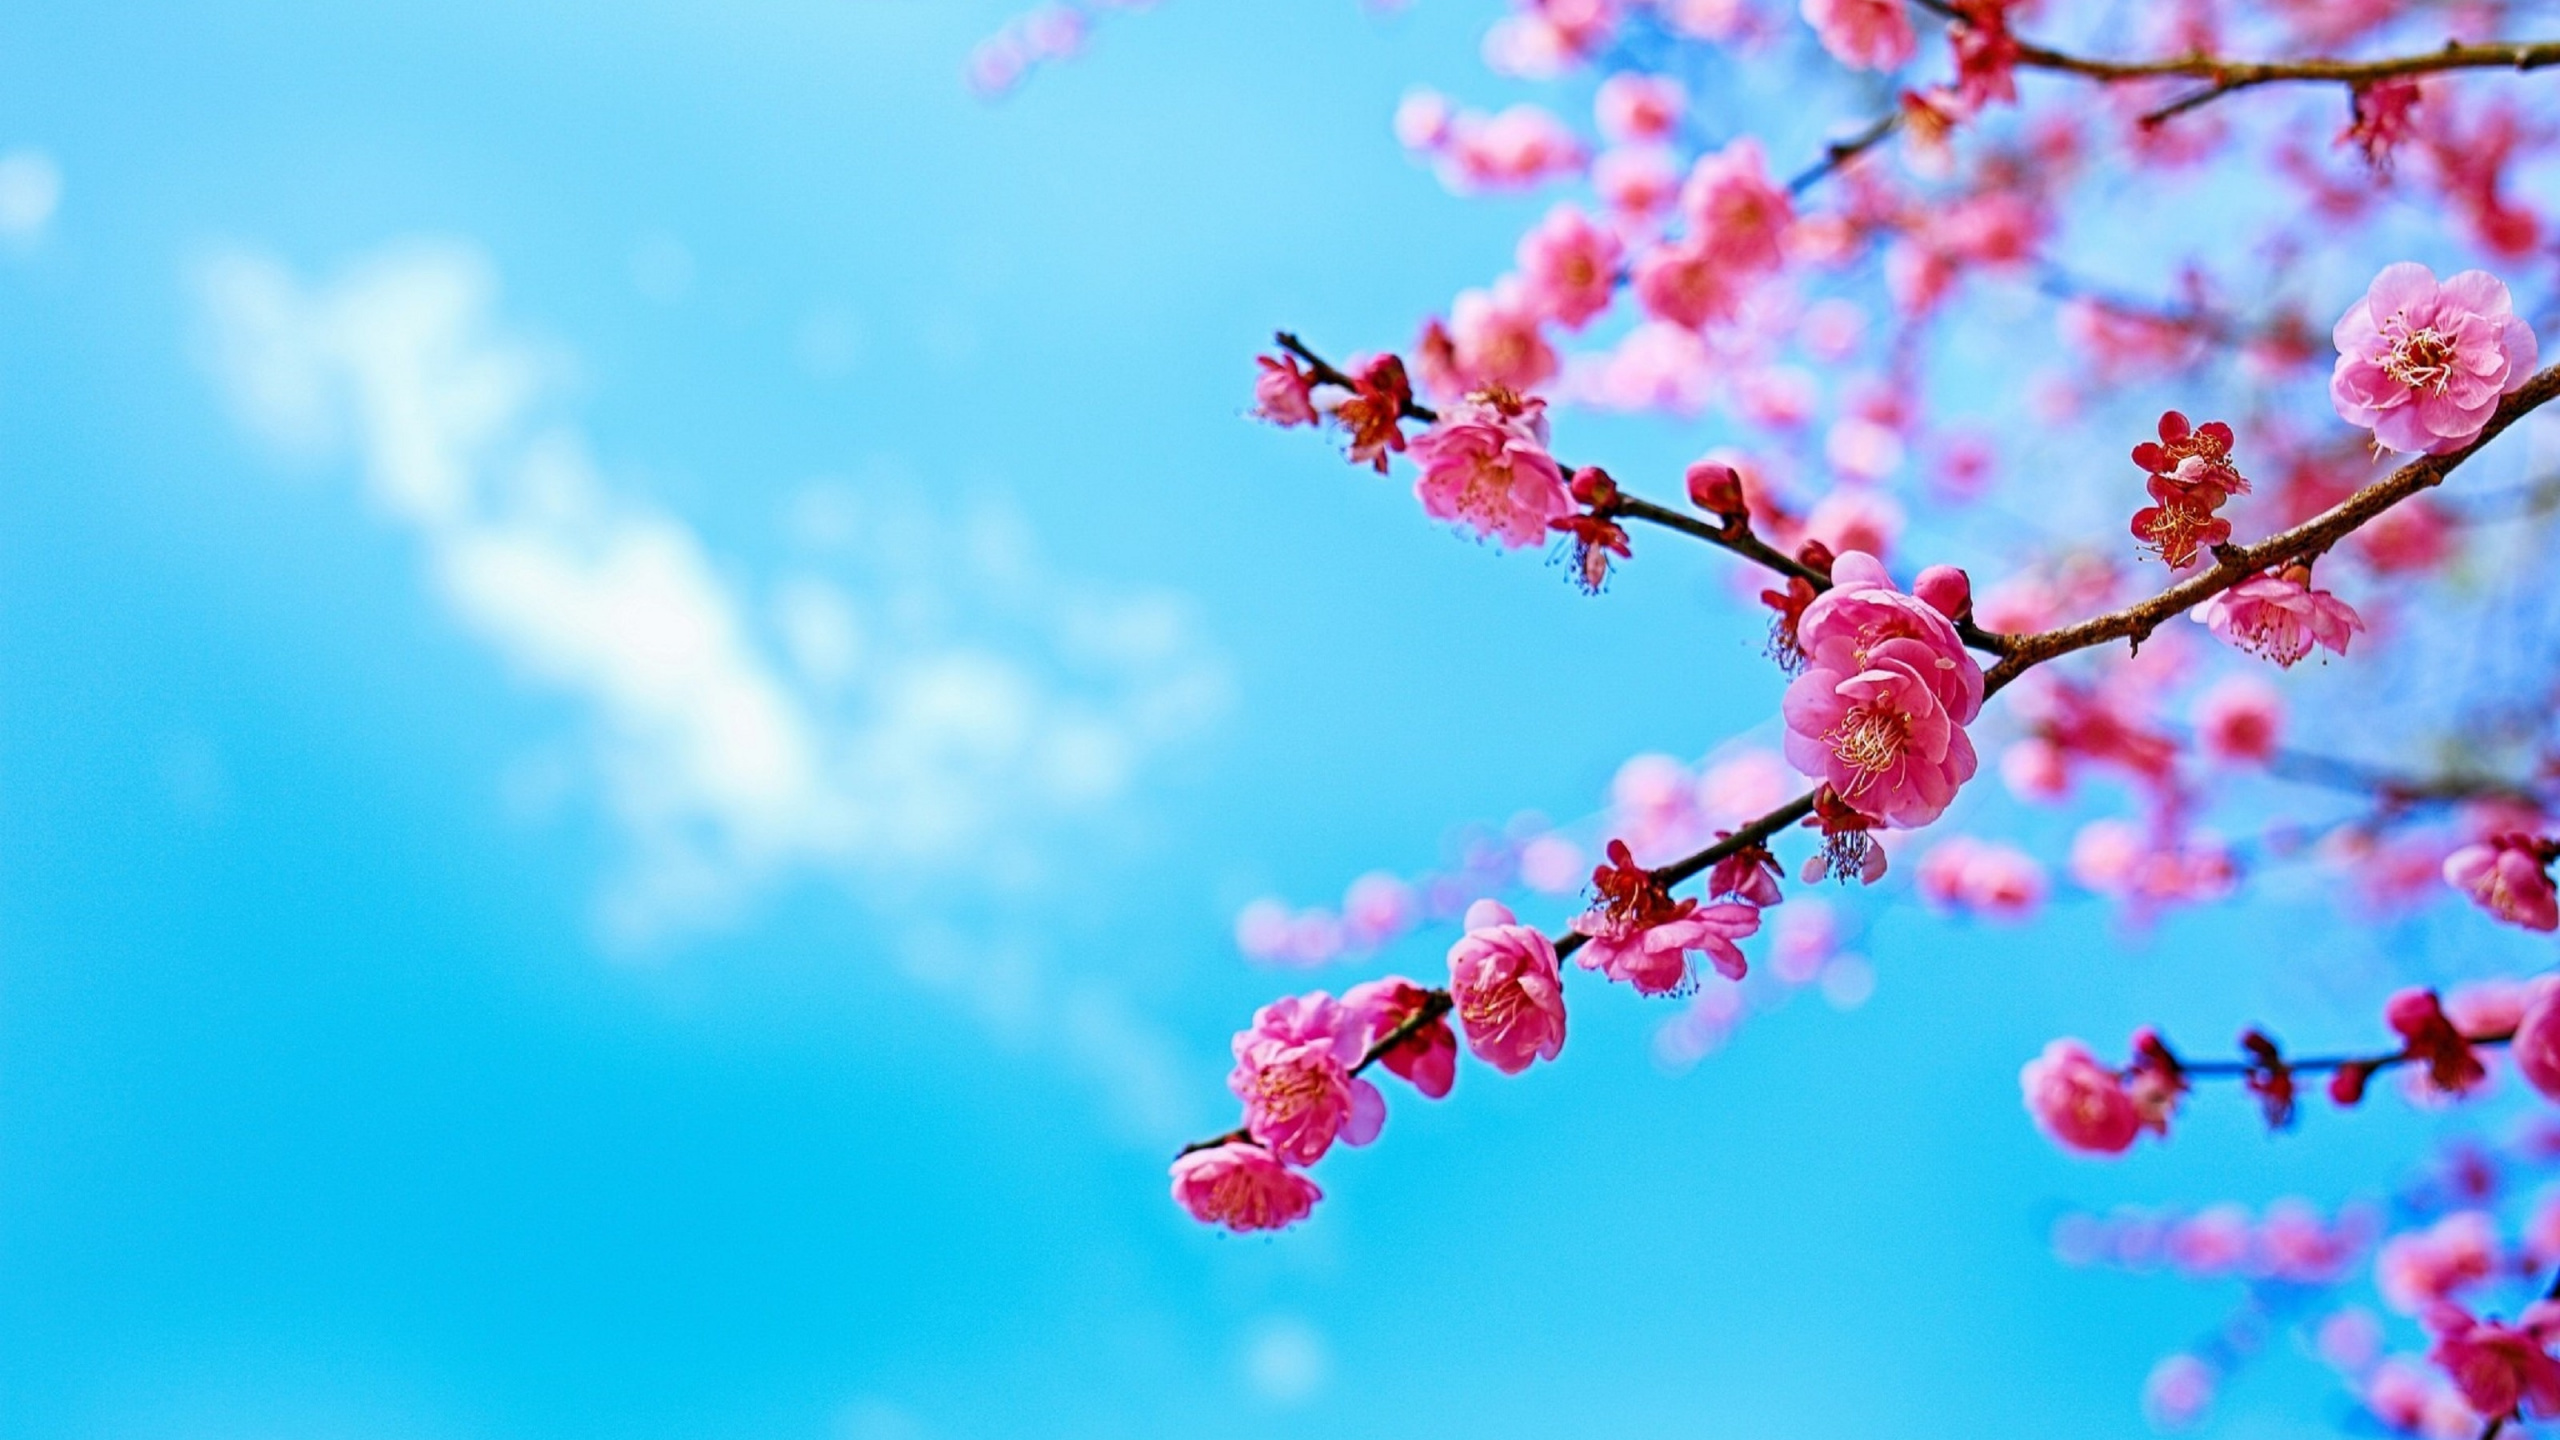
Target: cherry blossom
[
  {"x": 1486, "y": 466},
  {"x": 1240, "y": 1186},
  {"x": 1880, "y": 711},
  {"x": 2281, "y": 617},
  {"x": 1509, "y": 994},
  {"x": 1293, "y": 1072},
  {"x": 2422, "y": 363}
]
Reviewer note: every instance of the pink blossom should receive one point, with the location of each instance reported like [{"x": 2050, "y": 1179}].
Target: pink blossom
[
  {"x": 1640, "y": 935},
  {"x": 1864, "y": 34},
  {"x": 1428, "y": 1058},
  {"x": 1636, "y": 180},
  {"x": 1491, "y": 342},
  {"x": 1293, "y": 1072},
  {"x": 1283, "y": 394},
  {"x": 1510, "y": 997},
  {"x": 1735, "y": 210},
  {"x": 1569, "y": 267},
  {"x": 1516, "y": 148},
  {"x": 1485, "y": 465},
  {"x": 1978, "y": 877},
  {"x": 2240, "y": 720},
  {"x": 1861, "y": 520},
  {"x": 2179, "y": 1392},
  {"x": 2508, "y": 876},
  {"x": 1423, "y": 120},
  {"x": 2079, "y": 1102},
  {"x": 1633, "y": 108},
  {"x": 2280, "y": 617},
  {"x": 1880, "y": 710},
  {"x": 2423, "y": 1268},
  {"x": 2537, "y": 1044},
  {"x": 1242, "y": 1187},
  {"x": 1684, "y": 284},
  {"x": 2502, "y": 1369},
  {"x": 2423, "y": 362},
  {"x": 1376, "y": 909},
  {"x": 2488, "y": 1008}
]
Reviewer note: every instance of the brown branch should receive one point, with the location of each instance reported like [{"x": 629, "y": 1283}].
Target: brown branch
[
  {"x": 2236, "y": 563},
  {"x": 2323, "y": 1064},
  {"x": 2233, "y": 564},
  {"x": 1840, "y": 152}
]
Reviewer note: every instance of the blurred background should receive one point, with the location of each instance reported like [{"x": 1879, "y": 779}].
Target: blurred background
[{"x": 644, "y": 655}]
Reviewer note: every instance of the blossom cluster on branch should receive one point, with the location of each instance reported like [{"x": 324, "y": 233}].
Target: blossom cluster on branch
[{"x": 1921, "y": 275}]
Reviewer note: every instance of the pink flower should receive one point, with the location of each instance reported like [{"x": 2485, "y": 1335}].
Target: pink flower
[
  {"x": 1283, "y": 394},
  {"x": 1734, "y": 210},
  {"x": 2537, "y": 1044},
  {"x": 1684, "y": 284},
  {"x": 1293, "y": 1072},
  {"x": 1864, "y": 34},
  {"x": 1423, "y": 119},
  {"x": 2424, "y": 1268},
  {"x": 1640, "y": 935},
  {"x": 2423, "y": 362},
  {"x": 1429, "y": 1056},
  {"x": 1242, "y": 1187},
  {"x": 1510, "y": 997},
  {"x": 1978, "y": 877},
  {"x": 2501, "y": 1368},
  {"x": 2078, "y": 1101},
  {"x": 1496, "y": 336},
  {"x": 2179, "y": 1392},
  {"x": 1486, "y": 466},
  {"x": 2509, "y": 877},
  {"x": 2240, "y": 720},
  {"x": 1880, "y": 710},
  {"x": 1569, "y": 267},
  {"x": 2280, "y": 617},
  {"x": 1517, "y": 147},
  {"x": 1637, "y": 181},
  {"x": 1633, "y": 108}
]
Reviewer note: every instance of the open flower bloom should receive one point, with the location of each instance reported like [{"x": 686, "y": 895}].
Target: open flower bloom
[
  {"x": 1640, "y": 935},
  {"x": 2501, "y": 1369},
  {"x": 2537, "y": 1045},
  {"x": 1569, "y": 266},
  {"x": 1428, "y": 1057},
  {"x": 1293, "y": 1072},
  {"x": 2421, "y": 1269},
  {"x": 2505, "y": 877},
  {"x": 1486, "y": 466},
  {"x": 1880, "y": 710},
  {"x": 1864, "y": 34},
  {"x": 2078, "y": 1101},
  {"x": 2423, "y": 362},
  {"x": 1240, "y": 1186},
  {"x": 2280, "y": 617},
  {"x": 1509, "y": 993}
]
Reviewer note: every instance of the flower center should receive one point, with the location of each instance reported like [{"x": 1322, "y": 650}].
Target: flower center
[
  {"x": 2420, "y": 359},
  {"x": 1869, "y": 740},
  {"x": 1492, "y": 1009},
  {"x": 1289, "y": 1091}
]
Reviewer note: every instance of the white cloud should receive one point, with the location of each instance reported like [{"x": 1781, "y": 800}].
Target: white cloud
[
  {"x": 911, "y": 698},
  {"x": 1286, "y": 1361},
  {"x": 30, "y": 191}
]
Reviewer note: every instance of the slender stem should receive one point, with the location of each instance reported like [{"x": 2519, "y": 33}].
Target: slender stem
[
  {"x": 2236, "y": 563},
  {"x": 2024, "y": 652}
]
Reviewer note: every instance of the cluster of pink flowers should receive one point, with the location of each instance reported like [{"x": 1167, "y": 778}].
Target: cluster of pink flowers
[
  {"x": 1638, "y": 934},
  {"x": 1982, "y": 877},
  {"x": 1879, "y": 713},
  {"x": 1297, "y": 1072},
  {"x": 2510, "y": 877}
]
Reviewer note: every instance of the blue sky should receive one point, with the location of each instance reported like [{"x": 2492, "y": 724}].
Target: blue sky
[{"x": 429, "y": 1012}]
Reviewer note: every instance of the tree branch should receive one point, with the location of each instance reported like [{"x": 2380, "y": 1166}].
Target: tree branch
[{"x": 2236, "y": 563}]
